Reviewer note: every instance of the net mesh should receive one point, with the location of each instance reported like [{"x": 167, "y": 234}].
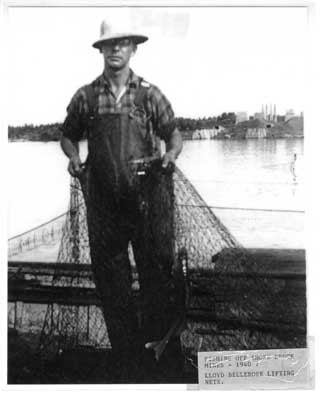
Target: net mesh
[{"x": 196, "y": 228}]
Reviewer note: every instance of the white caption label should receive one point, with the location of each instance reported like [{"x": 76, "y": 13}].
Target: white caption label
[{"x": 255, "y": 369}]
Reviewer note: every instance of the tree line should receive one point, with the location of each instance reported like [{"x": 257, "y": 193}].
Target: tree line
[
  {"x": 51, "y": 132},
  {"x": 227, "y": 120},
  {"x": 44, "y": 132}
]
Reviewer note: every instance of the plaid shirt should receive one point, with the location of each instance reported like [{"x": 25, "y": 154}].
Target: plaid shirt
[{"x": 158, "y": 108}]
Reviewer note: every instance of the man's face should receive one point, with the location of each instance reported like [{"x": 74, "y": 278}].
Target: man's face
[{"x": 117, "y": 53}]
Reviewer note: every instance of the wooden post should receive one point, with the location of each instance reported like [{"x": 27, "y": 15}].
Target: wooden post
[
  {"x": 15, "y": 314},
  {"x": 88, "y": 322}
]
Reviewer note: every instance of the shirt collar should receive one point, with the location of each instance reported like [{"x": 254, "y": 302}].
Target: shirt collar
[{"x": 133, "y": 81}]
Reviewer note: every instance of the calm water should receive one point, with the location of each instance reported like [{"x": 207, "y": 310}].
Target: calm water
[{"x": 233, "y": 174}]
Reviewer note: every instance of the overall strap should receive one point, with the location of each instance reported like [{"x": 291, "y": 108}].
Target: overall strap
[
  {"x": 141, "y": 96},
  {"x": 140, "y": 101},
  {"x": 91, "y": 101}
]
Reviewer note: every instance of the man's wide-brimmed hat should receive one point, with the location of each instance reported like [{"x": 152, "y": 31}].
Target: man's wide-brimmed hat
[{"x": 118, "y": 30}]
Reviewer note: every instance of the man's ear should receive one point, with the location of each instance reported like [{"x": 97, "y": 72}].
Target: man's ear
[{"x": 134, "y": 49}]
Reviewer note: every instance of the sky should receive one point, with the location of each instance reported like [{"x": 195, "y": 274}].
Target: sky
[{"x": 206, "y": 60}]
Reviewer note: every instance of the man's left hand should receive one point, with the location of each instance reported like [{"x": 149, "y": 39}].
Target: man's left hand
[{"x": 168, "y": 158}]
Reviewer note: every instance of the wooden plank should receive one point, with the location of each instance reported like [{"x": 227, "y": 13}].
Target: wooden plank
[
  {"x": 37, "y": 294},
  {"x": 288, "y": 261},
  {"x": 207, "y": 316},
  {"x": 45, "y": 268},
  {"x": 278, "y": 263}
]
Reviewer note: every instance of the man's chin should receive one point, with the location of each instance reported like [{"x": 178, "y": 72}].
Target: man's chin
[{"x": 115, "y": 67}]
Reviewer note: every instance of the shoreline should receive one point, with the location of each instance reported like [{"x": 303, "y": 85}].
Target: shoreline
[{"x": 184, "y": 138}]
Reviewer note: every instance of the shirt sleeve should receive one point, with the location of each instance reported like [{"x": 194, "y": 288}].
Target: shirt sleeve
[
  {"x": 163, "y": 117},
  {"x": 74, "y": 124}
]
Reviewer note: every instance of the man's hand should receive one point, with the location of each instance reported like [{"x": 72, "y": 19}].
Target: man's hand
[
  {"x": 169, "y": 157},
  {"x": 75, "y": 167},
  {"x": 173, "y": 148}
]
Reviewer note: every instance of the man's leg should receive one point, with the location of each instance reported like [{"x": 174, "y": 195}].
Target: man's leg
[{"x": 111, "y": 268}]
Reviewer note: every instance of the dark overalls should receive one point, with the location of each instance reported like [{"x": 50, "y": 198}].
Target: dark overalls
[{"x": 123, "y": 207}]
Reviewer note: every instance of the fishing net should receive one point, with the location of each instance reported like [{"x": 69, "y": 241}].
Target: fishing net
[
  {"x": 196, "y": 229},
  {"x": 234, "y": 299}
]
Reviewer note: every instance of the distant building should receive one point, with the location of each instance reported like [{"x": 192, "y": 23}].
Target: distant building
[
  {"x": 241, "y": 116},
  {"x": 289, "y": 114},
  {"x": 258, "y": 115},
  {"x": 281, "y": 118},
  {"x": 256, "y": 133},
  {"x": 207, "y": 133},
  {"x": 295, "y": 124}
]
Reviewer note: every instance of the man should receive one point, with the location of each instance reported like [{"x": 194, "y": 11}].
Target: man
[{"x": 128, "y": 200}]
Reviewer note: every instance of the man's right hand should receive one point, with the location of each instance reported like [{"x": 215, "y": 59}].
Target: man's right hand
[{"x": 75, "y": 167}]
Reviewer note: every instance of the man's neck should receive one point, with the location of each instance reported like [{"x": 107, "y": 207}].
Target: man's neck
[{"x": 117, "y": 78}]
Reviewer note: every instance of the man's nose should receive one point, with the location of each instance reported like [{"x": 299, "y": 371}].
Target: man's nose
[{"x": 115, "y": 47}]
